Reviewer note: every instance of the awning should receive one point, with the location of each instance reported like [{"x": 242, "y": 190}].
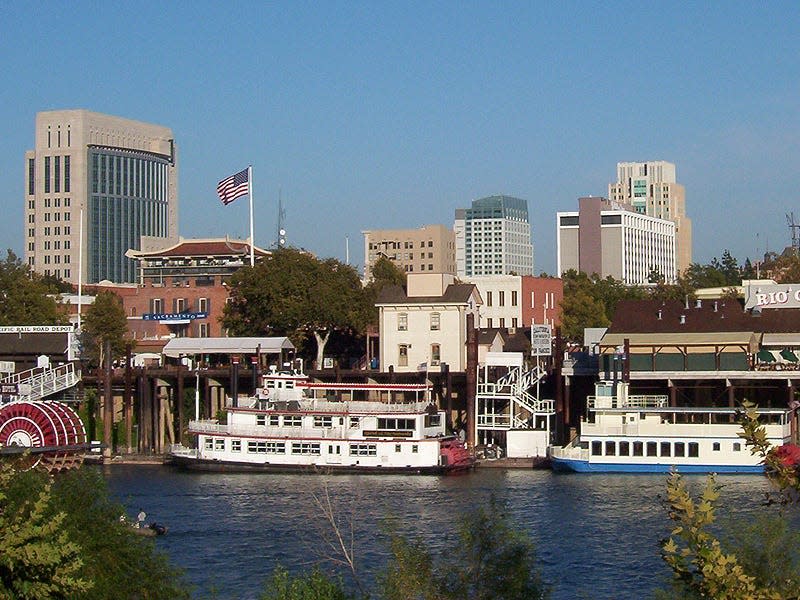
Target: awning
[
  {"x": 722, "y": 338},
  {"x": 787, "y": 354},
  {"x": 177, "y": 347},
  {"x": 781, "y": 340},
  {"x": 766, "y": 356}
]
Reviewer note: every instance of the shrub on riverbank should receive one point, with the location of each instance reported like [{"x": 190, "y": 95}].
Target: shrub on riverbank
[{"x": 89, "y": 540}]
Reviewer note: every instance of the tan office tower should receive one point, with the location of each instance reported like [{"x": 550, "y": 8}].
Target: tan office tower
[
  {"x": 651, "y": 188},
  {"x": 120, "y": 175},
  {"x": 429, "y": 249}
]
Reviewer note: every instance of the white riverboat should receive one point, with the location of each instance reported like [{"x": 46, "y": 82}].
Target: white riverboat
[
  {"x": 625, "y": 433},
  {"x": 294, "y": 423}
]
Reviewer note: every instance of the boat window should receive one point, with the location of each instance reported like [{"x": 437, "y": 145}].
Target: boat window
[
  {"x": 261, "y": 419},
  {"x": 397, "y": 447},
  {"x": 274, "y": 420},
  {"x": 715, "y": 447},
  {"x": 257, "y": 447},
  {"x": 414, "y": 448},
  {"x": 209, "y": 444},
  {"x": 433, "y": 420},
  {"x": 354, "y": 422},
  {"x": 737, "y": 447},
  {"x": 386, "y": 423},
  {"x": 323, "y": 421},
  {"x": 363, "y": 450},
  {"x": 680, "y": 449},
  {"x": 666, "y": 448},
  {"x": 624, "y": 449},
  {"x": 597, "y": 448},
  {"x": 305, "y": 448},
  {"x": 693, "y": 449},
  {"x": 219, "y": 444},
  {"x": 276, "y": 447},
  {"x": 611, "y": 448},
  {"x": 638, "y": 449},
  {"x": 652, "y": 449},
  {"x": 292, "y": 421},
  {"x": 236, "y": 445}
]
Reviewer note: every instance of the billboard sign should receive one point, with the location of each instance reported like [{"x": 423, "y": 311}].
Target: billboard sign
[{"x": 541, "y": 340}]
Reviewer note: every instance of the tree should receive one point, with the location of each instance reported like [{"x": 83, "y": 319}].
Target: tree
[
  {"x": 38, "y": 560},
  {"x": 492, "y": 560},
  {"x": 78, "y": 525},
  {"x": 765, "y": 564},
  {"x": 580, "y": 308},
  {"x": 25, "y": 298},
  {"x": 315, "y": 585},
  {"x": 384, "y": 273},
  {"x": 294, "y": 294},
  {"x": 105, "y": 321}
]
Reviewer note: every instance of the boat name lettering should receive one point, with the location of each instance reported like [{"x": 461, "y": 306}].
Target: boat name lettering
[{"x": 387, "y": 433}]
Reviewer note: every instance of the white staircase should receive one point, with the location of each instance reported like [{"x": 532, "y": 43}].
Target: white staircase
[{"x": 40, "y": 382}]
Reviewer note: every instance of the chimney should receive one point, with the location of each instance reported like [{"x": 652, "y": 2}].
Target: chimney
[
  {"x": 715, "y": 306},
  {"x": 658, "y": 315},
  {"x": 698, "y": 303},
  {"x": 683, "y": 320}
]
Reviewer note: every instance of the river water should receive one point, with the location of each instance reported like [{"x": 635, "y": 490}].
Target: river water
[{"x": 596, "y": 536}]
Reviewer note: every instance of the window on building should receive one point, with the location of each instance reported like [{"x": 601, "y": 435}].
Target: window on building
[
  {"x": 203, "y": 330},
  {"x": 488, "y": 298},
  {"x": 435, "y": 354},
  {"x": 402, "y": 322},
  {"x": 513, "y": 298},
  {"x": 502, "y": 298},
  {"x": 157, "y": 305},
  {"x": 46, "y": 174},
  {"x": 402, "y": 359},
  {"x": 435, "y": 321}
]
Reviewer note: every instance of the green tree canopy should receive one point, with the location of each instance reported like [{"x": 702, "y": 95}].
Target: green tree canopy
[
  {"x": 25, "y": 298},
  {"x": 105, "y": 321},
  {"x": 384, "y": 273},
  {"x": 292, "y": 293}
]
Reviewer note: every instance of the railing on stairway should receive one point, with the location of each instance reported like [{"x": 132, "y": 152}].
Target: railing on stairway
[{"x": 39, "y": 382}]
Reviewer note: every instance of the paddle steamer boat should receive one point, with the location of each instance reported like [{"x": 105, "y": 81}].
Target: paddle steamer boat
[{"x": 294, "y": 423}]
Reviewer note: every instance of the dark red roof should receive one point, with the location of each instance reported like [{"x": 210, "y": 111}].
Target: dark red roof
[
  {"x": 220, "y": 247},
  {"x": 642, "y": 316}
]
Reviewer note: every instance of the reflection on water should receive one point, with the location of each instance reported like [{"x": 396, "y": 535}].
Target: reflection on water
[{"x": 597, "y": 536}]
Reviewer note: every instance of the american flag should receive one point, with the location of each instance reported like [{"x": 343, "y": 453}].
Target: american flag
[{"x": 231, "y": 188}]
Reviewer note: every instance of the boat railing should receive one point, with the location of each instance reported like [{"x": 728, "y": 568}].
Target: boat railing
[
  {"x": 640, "y": 401},
  {"x": 490, "y": 420},
  {"x": 363, "y": 406},
  {"x": 569, "y": 451}
]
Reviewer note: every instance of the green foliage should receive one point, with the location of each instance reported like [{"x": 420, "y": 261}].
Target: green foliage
[
  {"x": 582, "y": 306},
  {"x": 695, "y": 556},
  {"x": 306, "y": 586},
  {"x": 25, "y": 298},
  {"x": 384, "y": 273},
  {"x": 492, "y": 560},
  {"x": 105, "y": 320},
  {"x": 294, "y": 294},
  {"x": 108, "y": 556},
  {"x": 38, "y": 559}
]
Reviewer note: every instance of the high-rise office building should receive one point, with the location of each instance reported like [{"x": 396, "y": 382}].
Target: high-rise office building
[
  {"x": 493, "y": 237},
  {"x": 429, "y": 249},
  {"x": 120, "y": 175},
  {"x": 612, "y": 239},
  {"x": 652, "y": 189}
]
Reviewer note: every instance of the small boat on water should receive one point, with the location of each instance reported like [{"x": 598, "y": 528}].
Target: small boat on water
[
  {"x": 151, "y": 530},
  {"x": 295, "y": 424},
  {"x": 625, "y": 433}
]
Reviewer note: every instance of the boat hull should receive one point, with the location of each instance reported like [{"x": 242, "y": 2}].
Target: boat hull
[
  {"x": 568, "y": 465},
  {"x": 200, "y": 464}
]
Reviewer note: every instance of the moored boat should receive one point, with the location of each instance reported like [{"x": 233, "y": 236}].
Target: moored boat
[
  {"x": 625, "y": 433},
  {"x": 295, "y": 424}
]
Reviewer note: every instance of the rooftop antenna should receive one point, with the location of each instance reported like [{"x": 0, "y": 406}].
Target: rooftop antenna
[
  {"x": 281, "y": 239},
  {"x": 793, "y": 227}
]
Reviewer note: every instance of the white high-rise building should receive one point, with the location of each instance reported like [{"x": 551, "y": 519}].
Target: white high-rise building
[
  {"x": 651, "y": 188},
  {"x": 120, "y": 175},
  {"x": 493, "y": 237}
]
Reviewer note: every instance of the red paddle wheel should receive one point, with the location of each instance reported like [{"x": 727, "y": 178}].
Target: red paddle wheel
[{"x": 52, "y": 427}]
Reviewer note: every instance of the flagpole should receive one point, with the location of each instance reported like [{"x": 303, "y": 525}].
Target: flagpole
[{"x": 252, "y": 239}]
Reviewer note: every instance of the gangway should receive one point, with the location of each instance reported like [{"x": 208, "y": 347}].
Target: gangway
[{"x": 40, "y": 382}]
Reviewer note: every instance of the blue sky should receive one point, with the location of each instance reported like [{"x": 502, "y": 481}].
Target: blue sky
[{"x": 371, "y": 115}]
